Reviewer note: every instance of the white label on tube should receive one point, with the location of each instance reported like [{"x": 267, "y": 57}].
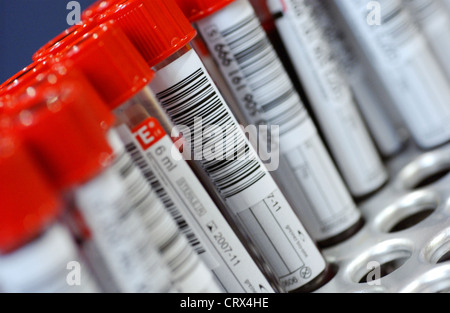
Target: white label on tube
[
  {"x": 270, "y": 221},
  {"x": 434, "y": 21},
  {"x": 383, "y": 126},
  {"x": 245, "y": 55},
  {"x": 310, "y": 164},
  {"x": 409, "y": 71},
  {"x": 187, "y": 93},
  {"x": 331, "y": 96},
  {"x": 120, "y": 236},
  {"x": 189, "y": 273},
  {"x": 194, "y": 211},
  {"x": 48, "y": 264}
]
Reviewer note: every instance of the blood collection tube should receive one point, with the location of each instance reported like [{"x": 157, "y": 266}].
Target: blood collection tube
[
  {"x": 384, "y": 123},
  {"x": 37, "y": 253},
  {"x": 112, "y": 64},
  {"x": 330, "y": 95},
  {"x": 343, "y": 74},
  {"x": 163, "y": 166},
  {"x": 401, "y": 58},
  {"x": 266, "y": 95},
  {"x": 55, "y": 115},
  {"x": 194, "y": 104},
  {"x": 58, "y": 43},
  {"x": 434, "y": 21}
]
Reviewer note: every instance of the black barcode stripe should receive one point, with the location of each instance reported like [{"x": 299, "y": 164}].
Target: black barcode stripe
[
  {"x": 239, "y": 25},
  {"x": 145, "y": 200},
  {"x": 124, "y": 167},
  {"x": 285, "y": 96},
  {"x": 151, "y": 178},
  {"x": 264, "y": 73},
  {"x": 179, "y": 263},
  {"x": 263, "y": 70},
  {"x": 391, "y": 15},
  {"x": 126, "y": 254},
  {"x": 398, "y": 22},
  {"x": 182, "y": 84},
  {"x": 426, "y": 8},
  {"x": 195, "y": 97}
]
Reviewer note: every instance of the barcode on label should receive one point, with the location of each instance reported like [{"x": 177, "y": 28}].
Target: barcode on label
[
  {"x": 424, "y": 8},
  {"x": 150, "y": 176},
  {"x": 396, "y": 23},
  {"x": 196, "y": 97},
  {"x": 162, "y": 230},
  {"x": 270, "y": 97}
]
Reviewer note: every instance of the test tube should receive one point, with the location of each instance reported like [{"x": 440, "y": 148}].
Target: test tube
[
  {"x": 162, "y": 164},
  {"x": 401, "y": 58},
  {"x": 58, "y": 44},
  {"x": 193, "y": 103},
  {"x": 37, "y": 253},
  {"x": 385, "y": 131},
  {"x": 253, "y": 71},
  {"x": 113, "y": 65},
  {"x": 330, "y": 95},
  {"x": 56, "y": 115},
  {"x": 434, "y": 21}
]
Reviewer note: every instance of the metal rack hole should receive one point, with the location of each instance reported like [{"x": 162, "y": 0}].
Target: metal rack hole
[
  {"x": 436, "y": 280},
  {"x": 426, "y": 170},
  {"x": 407, "y": 212},
  {"x": 389, "y": 256},
  {"x": 438, "y": 250}
]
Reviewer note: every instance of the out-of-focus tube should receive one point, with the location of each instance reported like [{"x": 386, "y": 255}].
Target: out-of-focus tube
[
  {"x": 330, "y": 95},
  {"x": 386, "y": 129},
  {"x": 37, "y": 253},
  {"x": 194, "y": 104},
  {"x": 401, "y": 57},
  {"x": 63, "y": 131},
  {"x": 266, "y": 96},
  {"x": 434, "y": 22}
]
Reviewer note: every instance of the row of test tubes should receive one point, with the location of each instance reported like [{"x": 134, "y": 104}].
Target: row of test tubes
[{"x": 208, "y": 146}]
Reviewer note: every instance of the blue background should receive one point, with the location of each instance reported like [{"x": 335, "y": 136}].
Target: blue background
[{"x": 25, "y": 26}]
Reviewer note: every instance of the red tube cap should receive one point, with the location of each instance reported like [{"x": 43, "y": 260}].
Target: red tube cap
[
  {"x": 111, "y": 63},
  {"x": 23, "y": 77},
  {"x": 28, "y": 204},
  {"x": 40, "y": 71},
  {"x": 98, "y": 8},
  {"x": 197, "y": 9},
  {"x": 60, "y": 42},
  {"x": 54, "y": 118},
  {"x": 158, "y": 28}
]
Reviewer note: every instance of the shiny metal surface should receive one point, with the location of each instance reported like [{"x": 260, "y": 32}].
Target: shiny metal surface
[{"x": 407, "y": 231}]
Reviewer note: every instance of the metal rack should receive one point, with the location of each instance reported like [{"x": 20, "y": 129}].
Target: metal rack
[{"x": 407, "y": 231}]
